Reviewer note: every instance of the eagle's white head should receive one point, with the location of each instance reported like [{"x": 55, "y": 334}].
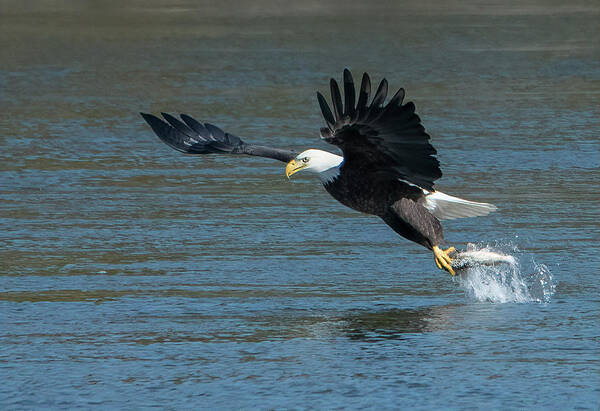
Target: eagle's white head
[{"x": 317, "y": 161}]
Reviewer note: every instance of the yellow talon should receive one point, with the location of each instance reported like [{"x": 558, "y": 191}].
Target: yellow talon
[{"x": 442, "y": 259}]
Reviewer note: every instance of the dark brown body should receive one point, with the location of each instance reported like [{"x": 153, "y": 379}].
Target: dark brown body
[{"x": 399, "y": 204}]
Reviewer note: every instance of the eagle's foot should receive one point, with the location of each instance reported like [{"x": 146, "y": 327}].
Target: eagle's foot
[{"x": 442, "y": 259}]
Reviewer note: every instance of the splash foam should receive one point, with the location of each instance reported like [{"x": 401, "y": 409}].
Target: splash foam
[{"x": 508, "y": 281}]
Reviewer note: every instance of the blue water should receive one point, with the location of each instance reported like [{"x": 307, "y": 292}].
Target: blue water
[{"x": 133, "y": 277}]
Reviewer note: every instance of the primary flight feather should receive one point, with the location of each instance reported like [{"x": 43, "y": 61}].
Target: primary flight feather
[{"x": 388, "y": 167}]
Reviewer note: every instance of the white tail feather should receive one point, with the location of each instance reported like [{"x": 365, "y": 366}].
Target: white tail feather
[{"x": 446, "y": 207}]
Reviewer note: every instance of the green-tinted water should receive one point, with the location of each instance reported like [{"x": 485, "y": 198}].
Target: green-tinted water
[{"x": 135, "y": 277}]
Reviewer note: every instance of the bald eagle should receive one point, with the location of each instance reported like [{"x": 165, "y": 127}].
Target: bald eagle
[{"x": 388, "y": 167}]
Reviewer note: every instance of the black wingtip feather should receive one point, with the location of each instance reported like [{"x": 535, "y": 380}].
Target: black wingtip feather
[
  {"x": 327, "y": 114},
  {"x": 196, "y": 126},
  {"x": 215, "y": 132},
  {"x": 363, "y": 96},
  {"x": 146, "y": 116},
  {"x": 397, "y": 99},
  {"x": 181, "y": 127},
  {"x": 349, "y": 94},
  {"x": 336, "y": 99},
  {"x": 166, "y": 133},
  {"x": 394, "y": 105},
  {"x": 380, "y": 94}
]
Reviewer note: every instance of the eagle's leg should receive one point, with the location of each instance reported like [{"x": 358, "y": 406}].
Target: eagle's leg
[
  {"x": 413, "y": 221},
  {"x": 442, "y": 259}
]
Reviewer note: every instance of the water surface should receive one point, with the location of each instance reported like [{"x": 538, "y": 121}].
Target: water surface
[{"x": 135, "y": 277}]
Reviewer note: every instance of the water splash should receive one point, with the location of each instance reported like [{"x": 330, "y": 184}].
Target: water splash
[{"x": 522, "y": 280}]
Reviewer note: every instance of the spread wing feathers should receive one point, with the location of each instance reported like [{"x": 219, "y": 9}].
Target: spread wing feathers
[
  {"x": 386, "y": 139},
  {"x": 192, "y": 137}
]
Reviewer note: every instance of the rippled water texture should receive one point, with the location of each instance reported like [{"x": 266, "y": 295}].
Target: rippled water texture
[{"x": 134, "y": 277}]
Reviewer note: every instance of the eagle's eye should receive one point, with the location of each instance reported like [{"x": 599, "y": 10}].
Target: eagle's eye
[{"x": 305, "y": 160}]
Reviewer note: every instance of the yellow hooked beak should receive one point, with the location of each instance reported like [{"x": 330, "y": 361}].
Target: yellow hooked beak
[{"x": 293, "y": 167}]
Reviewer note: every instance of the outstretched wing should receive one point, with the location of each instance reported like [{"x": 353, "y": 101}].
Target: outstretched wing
[
  {"x": 193, "y": 137},
  {"x": 387, "y": 140}
]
